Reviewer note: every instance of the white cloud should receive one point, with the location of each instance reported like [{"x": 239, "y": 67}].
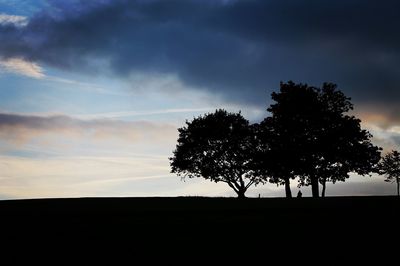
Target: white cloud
[
  {"x": 22, "y": 67},
  {"x": 19, "y": 21}
]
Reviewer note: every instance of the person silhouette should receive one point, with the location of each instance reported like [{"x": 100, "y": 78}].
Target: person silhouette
[{"x": 299, "y": 194}]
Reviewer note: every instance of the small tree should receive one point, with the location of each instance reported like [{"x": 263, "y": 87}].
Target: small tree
[
  {"x": 390, "y": 167},
  {"x": 219, "y": 147}
]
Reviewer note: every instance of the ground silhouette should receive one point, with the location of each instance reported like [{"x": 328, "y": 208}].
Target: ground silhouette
[{"x": 186, "y": 229}]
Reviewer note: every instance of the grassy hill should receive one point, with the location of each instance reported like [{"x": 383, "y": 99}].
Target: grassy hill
[{"x": 196, "y": 225}]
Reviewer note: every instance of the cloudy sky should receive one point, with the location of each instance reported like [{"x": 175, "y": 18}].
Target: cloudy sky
[{"x": 92, "y": 92}]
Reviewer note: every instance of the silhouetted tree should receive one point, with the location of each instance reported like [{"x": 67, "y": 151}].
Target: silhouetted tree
[
  {"x": 218, "y": 146},
  {"x": 273, "y": 161},
  {"x": 390, "y": 167},
  {"x": 341, "y": 146},
  {"x": 322, "y": 142},
  {"x": 285, "y": 133}
]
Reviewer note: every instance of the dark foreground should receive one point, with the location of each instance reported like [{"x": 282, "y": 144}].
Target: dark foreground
[{"x": 108, "y": 229}]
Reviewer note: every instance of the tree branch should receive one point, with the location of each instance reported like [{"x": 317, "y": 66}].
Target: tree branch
[
  {"x": 233, "y": 187},
  {"x": 250, "y": 183},
  {"x": 236, "y": 185}
]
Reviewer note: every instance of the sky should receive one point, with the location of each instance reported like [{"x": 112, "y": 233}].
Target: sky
[{"x": 92, "y": 92}]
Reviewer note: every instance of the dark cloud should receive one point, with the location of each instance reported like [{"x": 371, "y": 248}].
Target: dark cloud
[{"x": 241, "y": 49}]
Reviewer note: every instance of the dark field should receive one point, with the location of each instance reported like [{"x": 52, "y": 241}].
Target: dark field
[{"x": 199, "y": 227}]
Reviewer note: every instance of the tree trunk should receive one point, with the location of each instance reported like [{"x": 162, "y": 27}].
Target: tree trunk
[
  {"x": 323, "y": 188},
  {"x": 315, "y": 187},
  {"x": 397, "y": 180},
  {"x": 287, "y": 188},
  {"x": 241, "y": 193}
]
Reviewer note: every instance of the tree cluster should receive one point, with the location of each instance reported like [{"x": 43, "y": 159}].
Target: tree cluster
[{"x": 308, "y": 134}]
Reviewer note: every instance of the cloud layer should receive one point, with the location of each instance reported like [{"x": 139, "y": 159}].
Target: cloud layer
[
  {"x": 241, "y": 49},
  {"x": 22, "y": 67},
  {"x": 22, "y": 128}
]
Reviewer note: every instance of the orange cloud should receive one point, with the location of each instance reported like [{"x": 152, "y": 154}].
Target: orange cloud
[{"x": 20, "y": 129}]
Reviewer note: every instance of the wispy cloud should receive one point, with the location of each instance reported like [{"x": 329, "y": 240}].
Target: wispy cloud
[
  {"x": 22, "y": 67},
  {"x": 26, "y": 68},
  {"x": 79, "y": 176},
  {"x": 64, "y": 156},
  {"x": 18, "y": 21},
  {"x": 19, "y": 128},
  {"x": 76, "y": 175},
  {"x": 84, "y": 85}
]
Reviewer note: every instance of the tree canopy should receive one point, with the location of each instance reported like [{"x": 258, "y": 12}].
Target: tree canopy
[
  {"x": 217, "y": 146},
  {"x": 314, "y": 138}
]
